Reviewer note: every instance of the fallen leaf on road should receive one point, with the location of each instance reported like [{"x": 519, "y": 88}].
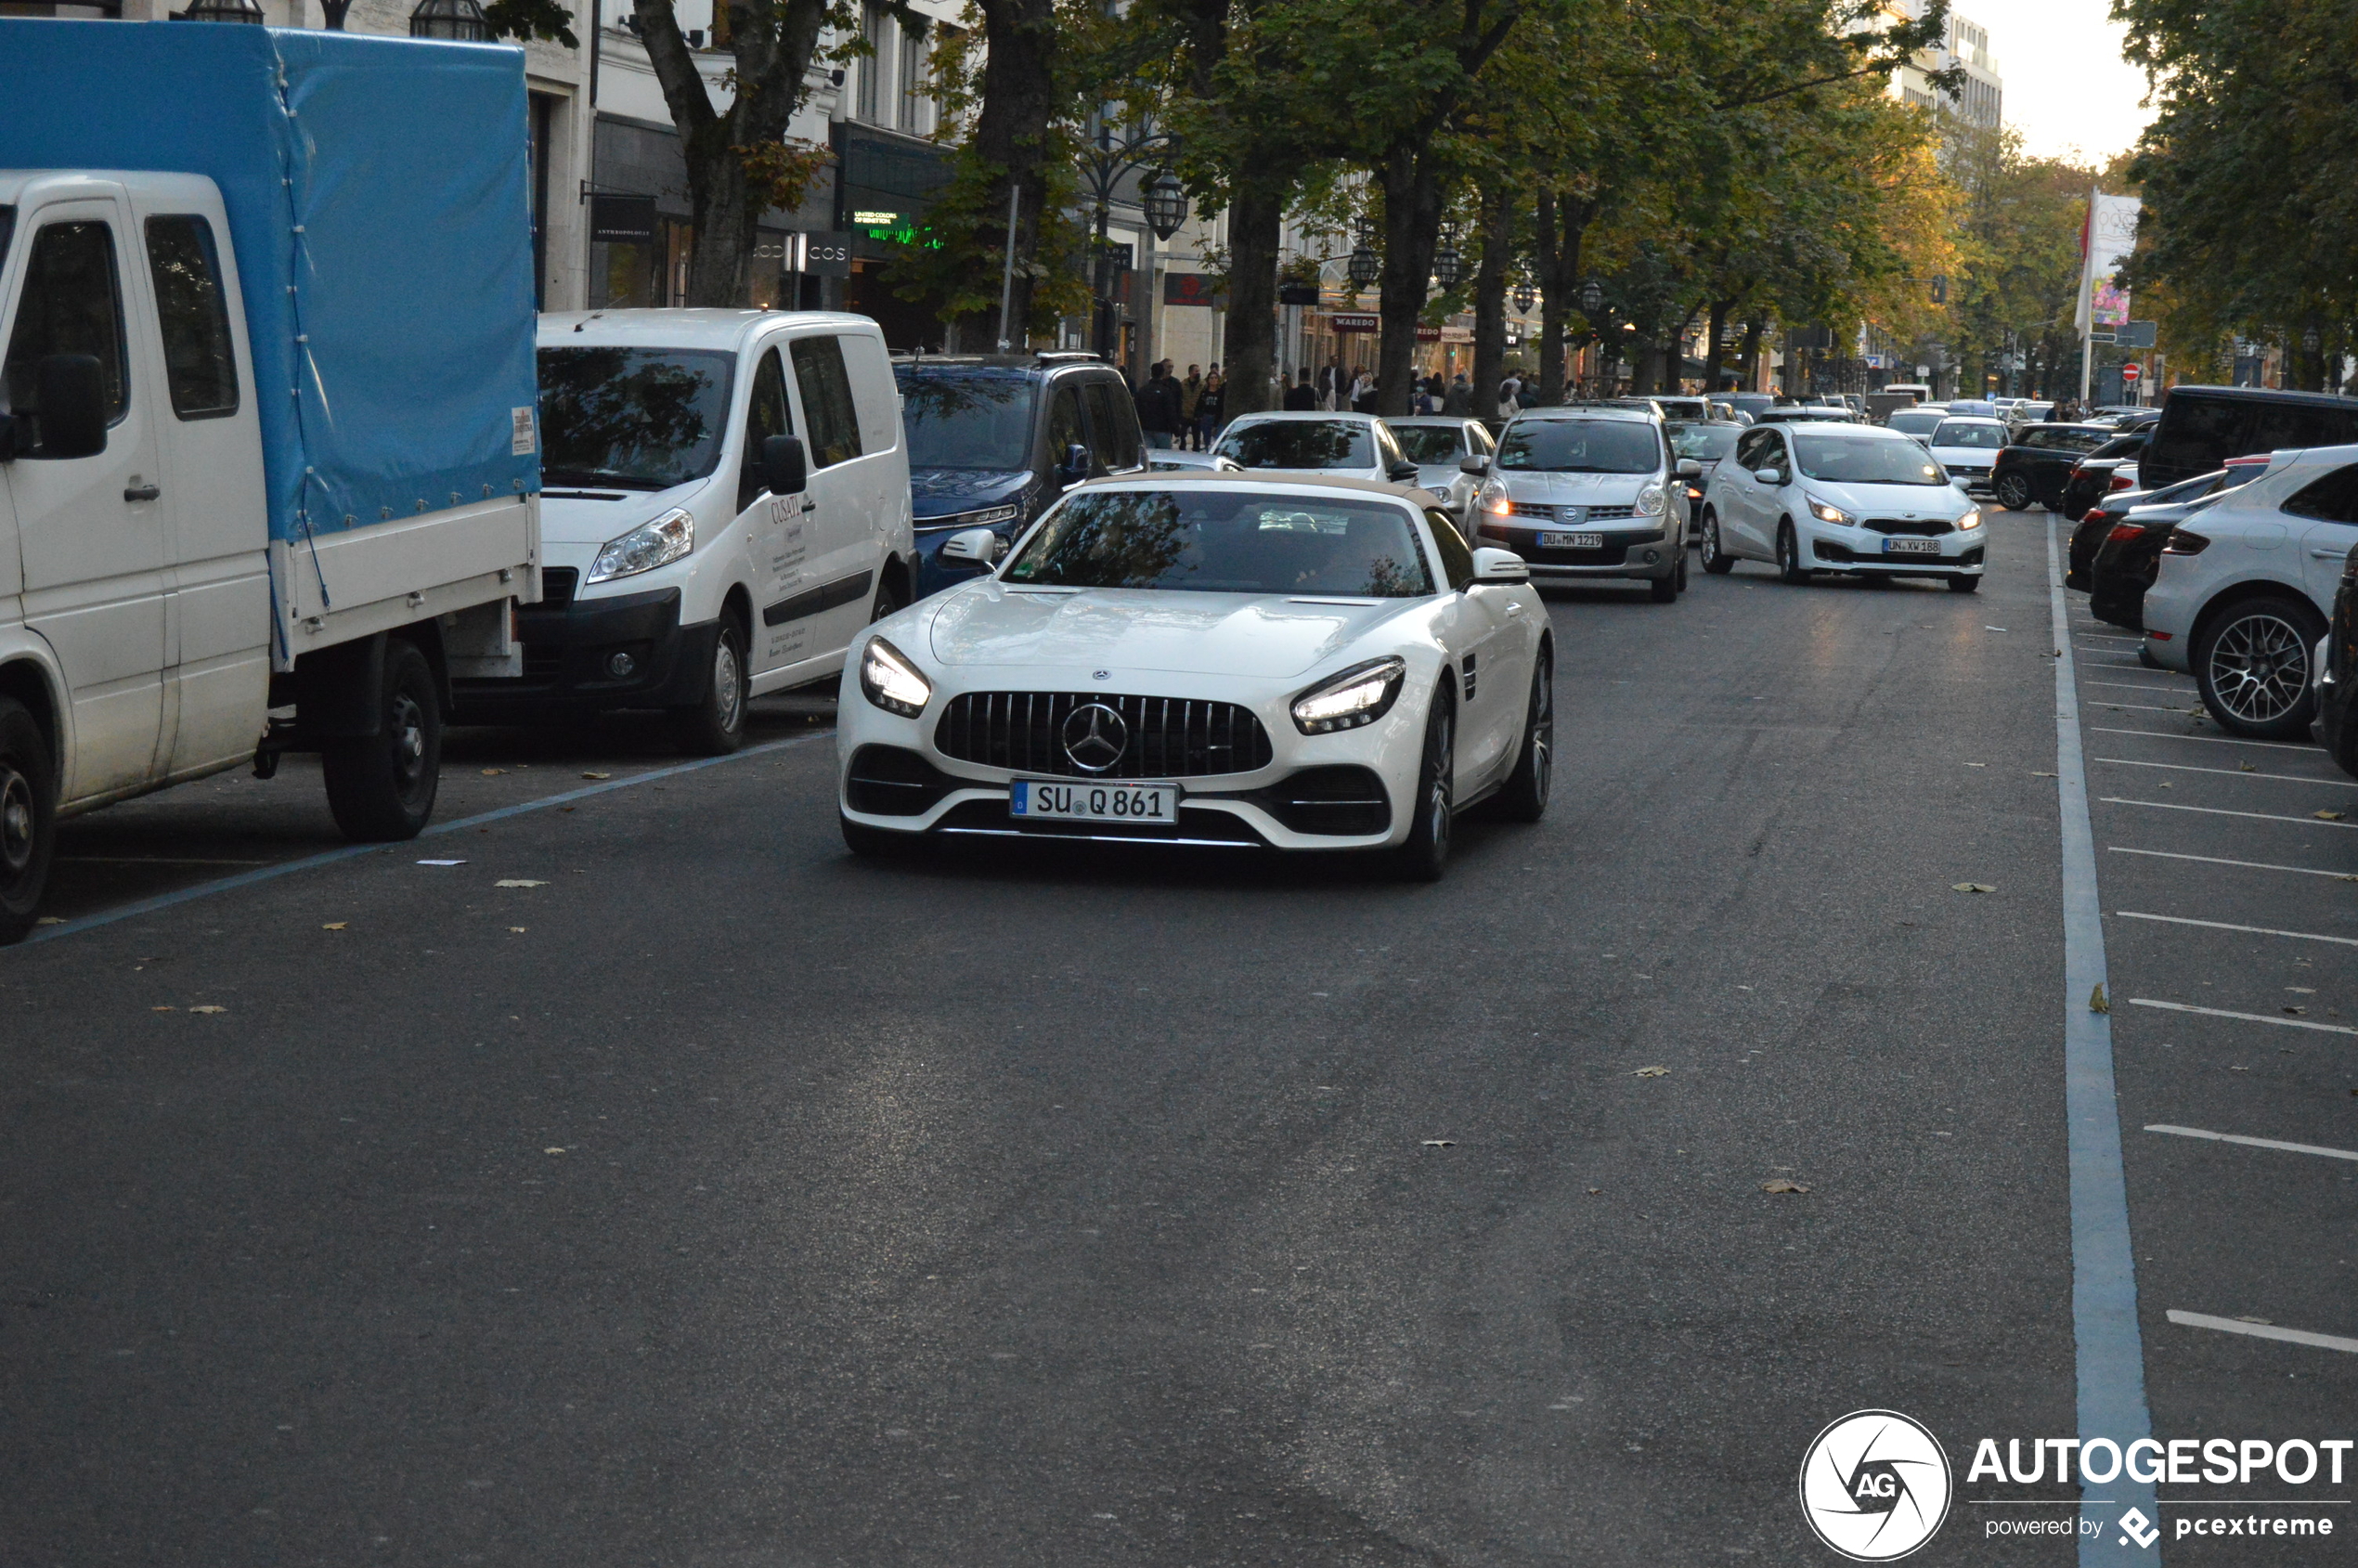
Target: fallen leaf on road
[
  {"x": 2096, "y": 1003},
  {"x": 1782, "y": 1184},
  {"x": 2326, "y": 816},
  {"x": 209, "y": 1008},
  {"x": 493, "y": 772},
  {"x": 518, "y": 882},
  {"x": 597, "y": 775},
  {"x": 1441, "y": 1143},
  {"x": 2296, "y": 1011},
  {"x": 2263, "y": 1322},
  {"x": 1973, "y": 887},
  {"x": 552, "y": 1151},
  {"x": 1653, "y": 1072},
  {"x": 1993, "y": 629},
  {"x": 2247, "y": 767},
  {"x": 1595, "y": 1190},
  {"x": 335, "y": 926},
  {"x": 517, "y": 929},
  {"x": 175, "y": 1009},
  {"x": 50, "y": 920},
  {"x": 1977, "y": 764},
  {"x": 2038, "y": 775}
]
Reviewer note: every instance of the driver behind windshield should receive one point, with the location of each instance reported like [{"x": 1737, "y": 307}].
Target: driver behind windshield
[{"x": 1580, "y": 447}]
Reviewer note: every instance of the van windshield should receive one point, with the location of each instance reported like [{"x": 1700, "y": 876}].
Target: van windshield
[
  {"x": 967, "y": 417},
  {"x": 640, "y": 418}
]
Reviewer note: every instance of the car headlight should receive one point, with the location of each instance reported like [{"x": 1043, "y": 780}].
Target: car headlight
[
  {"x": 657, "y": 542},
  {"x": 989, "y": 517},
  {"x": 1649, "y": 500},
  {"x": 890, "y": 681},
  {"x": 1493, "y": 499},
  {"x": 1970, "y": 520},
  {"x": 1825, "y": 513},
  {"x": 1359, "y": 695}
]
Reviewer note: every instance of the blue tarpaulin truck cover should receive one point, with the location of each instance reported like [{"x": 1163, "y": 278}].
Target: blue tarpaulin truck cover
[{"x": 379, "y": 199}]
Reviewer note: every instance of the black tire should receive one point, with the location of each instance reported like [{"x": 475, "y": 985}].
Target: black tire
[
  {"x": 381, "y": 786},
  {"x": 2145, "y": 657},
  {"x": 889, "y": 598},
  {"x": 2014, "y": 493},
  {"x": 1789, "y": 566},
  {"x": 1665, "y": 591},
  {"x": 1524, "y": 798},
  {"x": 862, "y": 839},
  {"x": 28, "y": 819},
  {"x": 1964, "y": 584},
  {"x": 1426, "y": 854},
  {"x": 715, "y": 724},
  {"x": 2252, "y": 663},
  {"x": 1716, "y": 560}
]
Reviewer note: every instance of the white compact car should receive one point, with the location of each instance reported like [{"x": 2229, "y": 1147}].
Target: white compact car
[
  {"x": 1968, "y": 448},
  {"x": 1346, "y": 446},
  {"x": 1846, "y": 498},
  {"x": 2246, "y": 588},
  {"x": 724, "y": 504},
  {"x": 1449, "y": 453},
  {"x": 1209, "y": 659}
]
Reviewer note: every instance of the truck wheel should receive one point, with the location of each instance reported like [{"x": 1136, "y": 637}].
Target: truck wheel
[
  {"x": 28, "y": 819},
  {"x": 716, "y": 726},
  {"x": 381, "y": 786}
]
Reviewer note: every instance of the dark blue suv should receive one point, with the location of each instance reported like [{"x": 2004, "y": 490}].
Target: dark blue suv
[{"x": 993, "y": 440}]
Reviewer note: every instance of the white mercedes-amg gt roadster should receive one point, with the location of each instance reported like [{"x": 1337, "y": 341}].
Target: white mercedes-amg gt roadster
[{"x": 1217, "y": 659}]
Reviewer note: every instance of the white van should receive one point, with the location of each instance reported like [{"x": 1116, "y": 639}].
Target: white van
[{"x": 724, "y": 504}]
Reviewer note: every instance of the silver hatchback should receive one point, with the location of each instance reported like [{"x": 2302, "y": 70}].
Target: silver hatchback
[{"x": 1589, "y": 490}]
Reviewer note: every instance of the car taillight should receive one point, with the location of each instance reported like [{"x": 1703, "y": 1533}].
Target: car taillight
[
  {"x": 2185, "y": 541},
  {"x": 2123, "y": 531},
  {"x": 2120, "y": 482}
]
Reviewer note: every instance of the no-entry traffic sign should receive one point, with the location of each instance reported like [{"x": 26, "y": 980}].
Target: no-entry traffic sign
[{"x": 2130, "y": 373}]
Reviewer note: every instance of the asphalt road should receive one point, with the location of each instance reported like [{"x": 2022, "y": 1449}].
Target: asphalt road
[{"x": 719, "y": 1200}]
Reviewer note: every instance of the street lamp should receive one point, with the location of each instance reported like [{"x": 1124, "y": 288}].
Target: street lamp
[
  {"x": 1365, "y": 266},
  {"x": 1448, "y": 266},
  {"x": 1104, "y": 165},
  {"x": 225, "y": 10},
  {"x": 1525, "y": 296},
  {"x": 1592, "y": 298},
  {"x": 1166, "y": 204},
  {"x": 459, "y": 21}
]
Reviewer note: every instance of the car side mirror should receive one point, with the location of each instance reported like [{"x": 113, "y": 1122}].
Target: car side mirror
[
  {"x": 1075, "y": 467},
  {"x": 1769, "y": 475},
  {"x": 784, "y": 469},
  {"x": 1494, "y": 565},
  {"x": 1477, "y": 466},
  {"x": 1690, "y": 468},
  {"x": 1402, "y": 474},
  {"x": 979, "y": 546},
  {"x": 72, "y": 409}
]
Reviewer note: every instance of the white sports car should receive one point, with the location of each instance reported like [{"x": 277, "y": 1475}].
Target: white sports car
[{"x": 1299, "y": 663}]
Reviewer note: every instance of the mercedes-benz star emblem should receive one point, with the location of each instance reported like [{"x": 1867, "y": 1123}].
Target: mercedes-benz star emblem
[{"x": 1095, "y": 737}]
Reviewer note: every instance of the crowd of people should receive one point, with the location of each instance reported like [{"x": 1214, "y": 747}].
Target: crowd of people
[{"x": 1187, "y": 412}]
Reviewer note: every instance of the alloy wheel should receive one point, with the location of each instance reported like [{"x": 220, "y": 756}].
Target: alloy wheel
[
  {"x": 728, "y": 683},
  {"x": 2259, "y": 668},
  {"x": 18, "y": 817}
]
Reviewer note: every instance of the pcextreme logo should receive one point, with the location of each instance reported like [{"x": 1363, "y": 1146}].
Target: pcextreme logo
[{"x": 1876, "y": 1485}]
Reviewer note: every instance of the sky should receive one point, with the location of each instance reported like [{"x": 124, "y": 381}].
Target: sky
[{"x": 2066, "y": 85}]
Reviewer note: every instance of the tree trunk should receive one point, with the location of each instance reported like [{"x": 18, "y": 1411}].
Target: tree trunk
[
  {"x": 1714, "y": 347},
  {"x": 1248, "y": 345},
  {"x": 1750, "y": 357},
  {"x": 1490, "y": 294},
  {"x": 724, "y": 215},
  {"x": 1563, "y": 223},
  {"x": 1012, "y": 130},
  {"x": 1412, "y": 233}
]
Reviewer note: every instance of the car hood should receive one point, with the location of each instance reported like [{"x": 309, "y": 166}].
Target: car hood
[
  {"x": 1965, "y": 457},
  {"x": 943, "y": 492},
  {"x": 1893, "y": 500},
  {"x": 1147, "y": 629},
  {"x": 1541, "y": 485},
  {"x": 1438, "y": 477},
  {"x": 583, "y": 514}
]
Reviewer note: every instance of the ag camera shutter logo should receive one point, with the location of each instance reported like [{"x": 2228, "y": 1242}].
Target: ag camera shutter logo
[{"x": 1876, "y": 1485}]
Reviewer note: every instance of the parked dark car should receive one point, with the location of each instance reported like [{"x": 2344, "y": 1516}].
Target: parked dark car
[
  {"x": 994, "y": 439},
  {"x": 2092, "y": 477},
  {"x": 2033, "y": 467},
  {"x": 2201, "y": 427},
  {"x": 2338, "y": 673},
  {"x": 2135, "y": 527}
]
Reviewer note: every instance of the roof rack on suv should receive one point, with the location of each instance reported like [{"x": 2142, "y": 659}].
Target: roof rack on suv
[{"x": 998, "y": 361}]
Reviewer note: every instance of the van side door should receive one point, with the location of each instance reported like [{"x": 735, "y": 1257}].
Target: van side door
[
  {"x": 95, "y": 546},
  {"x": 841, "y": 578},
  {"x": 777, "y": 531}
]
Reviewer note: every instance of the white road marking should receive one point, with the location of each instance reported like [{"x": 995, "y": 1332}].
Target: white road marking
[
  {"x": 2255, "y": 1143},
  {"x": 149, "y": 860},
  {"x": 2232, "y": 772},
  {"x": 2248, "y": 1017},
  {"x": 2139, "y": 707},
  {"x": 2206, "y": 740},
  {"x": 2261, "y": 1330},
  {"x": 2216, "y": 812},
  {"x": 2249, "y": 866},
  {"x": 2140, "y": 686},
  {"x": 2223, "y": 926}
]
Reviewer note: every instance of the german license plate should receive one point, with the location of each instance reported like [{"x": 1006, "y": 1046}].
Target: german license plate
[
  {"x": 1061, "y": 800},
  {"x": 1572, "y": 541},
  {"x": 1910, "y": 547}
]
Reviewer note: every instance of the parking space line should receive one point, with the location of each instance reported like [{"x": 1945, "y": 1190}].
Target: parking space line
[
  {"x": 2249, "y": 866},
  {"x": 2109, "y": 1348},
  {"x": 352, "y": 852},
  {"x": 2263, "y": 1331},
  {"x": 2136, "y": 686},
  {"x": 2206, "y": 740},
  {"x": 2111, "y": 706},
  {"x": 2220, "y": 812},
  {"x": 2247, "y": 1018},
  {"x": 2223, "y": 926},
  {"x": 2254, "y": 1143},
  {"x": 2232, "y": 772}
]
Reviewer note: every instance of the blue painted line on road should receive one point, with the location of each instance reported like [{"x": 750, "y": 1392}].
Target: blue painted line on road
[
  {"x": 352, "y": 851},
  {"x": 2109, "y": 1348}
]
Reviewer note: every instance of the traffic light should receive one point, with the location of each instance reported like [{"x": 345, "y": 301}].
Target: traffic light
[{"x": 1940, "y": 288}]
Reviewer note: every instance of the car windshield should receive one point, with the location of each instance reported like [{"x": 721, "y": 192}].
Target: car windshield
[
  {"x": 2120, "y": 446},
  {"x": 642, "y": 419},
  {"x": 1428, "y": 446},
  {"x": 1226, "y": 541},
  {"x": 1850, "y": 459},
  {"x": 1580, "y": 447},
  {"x": 1300, "y": 443},
  {"x": 1706, "y": 442},
  {"x": 967, "y": 417},
  {"x": 1970, "y": 434},
  {"x": 1910, "y": 422}
]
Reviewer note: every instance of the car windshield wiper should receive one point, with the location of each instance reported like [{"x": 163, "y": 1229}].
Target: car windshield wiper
[{"x": 603, "y": 476}]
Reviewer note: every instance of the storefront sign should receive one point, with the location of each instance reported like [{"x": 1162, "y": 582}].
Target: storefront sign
[
  {"x": 1192, "y": 288},
  {"x": 1355, "y": 321},
  {"x": 622, "y": 220},
  {"x": 825, "y": 255}
]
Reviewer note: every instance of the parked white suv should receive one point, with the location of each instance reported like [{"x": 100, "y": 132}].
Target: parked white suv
[
  {"x": 725, "y": 504},
  {"x": 2246, "y": 585},
  {"x": 1851, "y": 499}
]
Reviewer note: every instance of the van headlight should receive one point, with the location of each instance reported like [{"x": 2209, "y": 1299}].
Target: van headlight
[
  {"x": 1359, "y": 695},
  {"x": 891, "y": 681},
  {"x": 1649, "y": 500},
  {"x": 654, "y": 543}
]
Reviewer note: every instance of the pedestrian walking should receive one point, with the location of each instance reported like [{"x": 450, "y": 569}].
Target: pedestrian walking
[
  {"x": 1363, "y": 393},
  {"x": 1211, "y": 404},
  {"x": 1190, "y": 390},
  {"x": 1457, "y": 401},
  {"x": 1159, "y": 408},
  {"x": 1302, "y": 397},
  {"x": 1509, "y": 391}
]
